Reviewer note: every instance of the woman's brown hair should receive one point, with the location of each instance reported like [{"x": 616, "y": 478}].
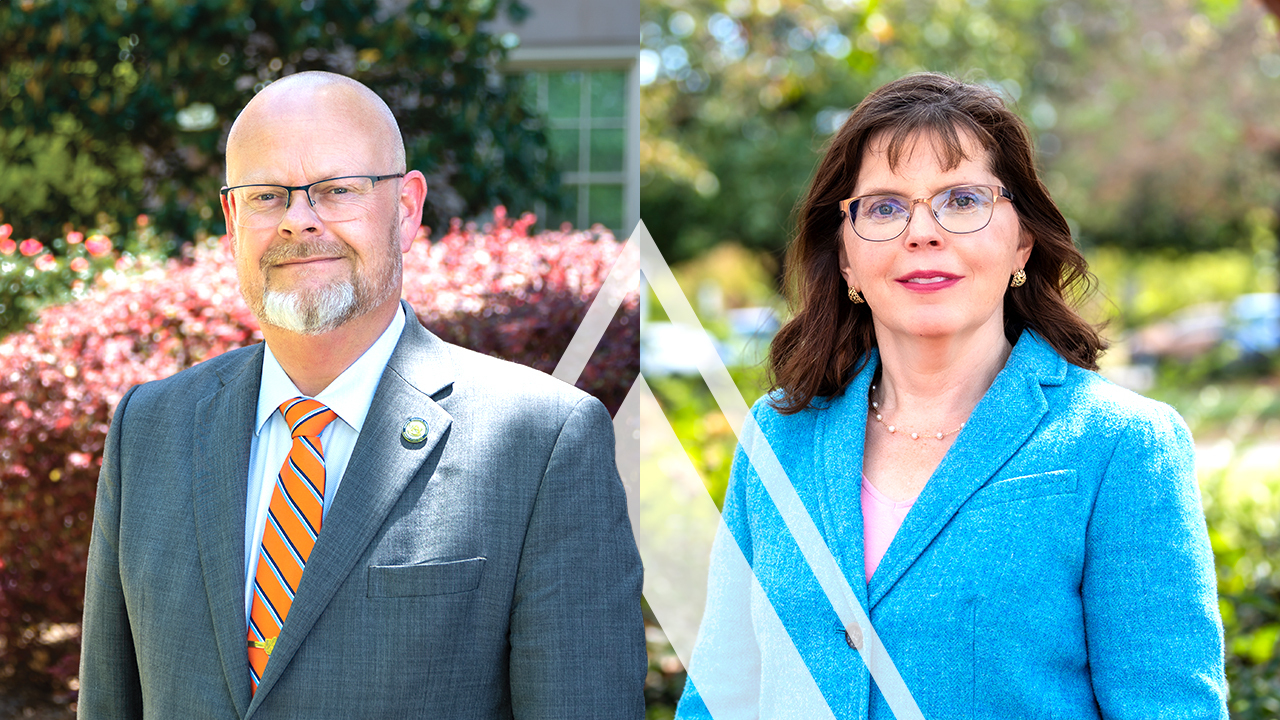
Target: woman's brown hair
[{"x": 817, "y": 352}]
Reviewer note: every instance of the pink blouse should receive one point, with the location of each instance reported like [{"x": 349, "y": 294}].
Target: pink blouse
[{"x": 881, "y": 518}]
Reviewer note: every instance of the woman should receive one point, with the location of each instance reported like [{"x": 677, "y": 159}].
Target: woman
[{"x": 1026, "y": 538}]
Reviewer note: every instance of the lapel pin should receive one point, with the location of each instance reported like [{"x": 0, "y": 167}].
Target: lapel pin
[{"x": 415, "y": 430}]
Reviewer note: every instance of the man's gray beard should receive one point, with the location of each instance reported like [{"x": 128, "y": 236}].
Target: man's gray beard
[
  {"x": 312, "y": 312},
  {"x": 315, "y": 312}
]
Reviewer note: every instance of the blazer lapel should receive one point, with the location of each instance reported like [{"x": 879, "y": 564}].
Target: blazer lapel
[
  {"x": 223, "y": 439},
  {"x": 840, "y": 438},
  {"x": 382, "y": 464},
  {"x": 1001, "y": 423}
]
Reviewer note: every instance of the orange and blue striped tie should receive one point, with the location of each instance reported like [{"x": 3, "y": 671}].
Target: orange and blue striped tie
[{"x": 293, "y": 522}]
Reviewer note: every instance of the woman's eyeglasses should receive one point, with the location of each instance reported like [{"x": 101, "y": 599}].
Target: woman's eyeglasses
[{"x": 964, "y": 209}]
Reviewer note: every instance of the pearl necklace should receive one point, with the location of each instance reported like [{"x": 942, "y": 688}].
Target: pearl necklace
[{"x": 875, "y": 411}]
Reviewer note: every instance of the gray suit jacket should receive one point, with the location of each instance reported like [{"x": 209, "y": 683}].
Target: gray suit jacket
[{"x": 486, "y": 572}]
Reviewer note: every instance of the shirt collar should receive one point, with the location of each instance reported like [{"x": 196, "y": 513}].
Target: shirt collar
[{"x": 349, "y": 395}]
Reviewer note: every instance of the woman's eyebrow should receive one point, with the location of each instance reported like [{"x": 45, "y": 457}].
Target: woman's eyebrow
[{"x": 947, "y": 186}]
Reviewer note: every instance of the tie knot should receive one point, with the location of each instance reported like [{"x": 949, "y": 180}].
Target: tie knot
[{"x": 306, "y": 417}]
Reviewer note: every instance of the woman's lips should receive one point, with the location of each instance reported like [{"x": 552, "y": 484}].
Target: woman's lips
[{"x": 927, "y": 281}]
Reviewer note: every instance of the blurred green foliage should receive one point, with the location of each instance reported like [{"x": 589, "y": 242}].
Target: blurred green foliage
[
  {"x": 664, "y": 681},
  {"x": 703, "y": 431},
  {"x": 109, "y": 108},
  {"x": 1135, "y": 289},
  {"x": 1155, "y": 122},
  {"x": 63, "y": 271},
  {"x": 1237, "y": 426}
]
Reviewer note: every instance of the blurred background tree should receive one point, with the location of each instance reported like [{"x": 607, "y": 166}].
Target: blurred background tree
[
  {"x": 111, "y": 108},
  {"x": 1143, "y": 149}
]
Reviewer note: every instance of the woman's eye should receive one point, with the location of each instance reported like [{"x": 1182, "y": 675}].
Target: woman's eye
[
  {"x": 964, "y": 201},
  {"x": 883, "y": 209}
]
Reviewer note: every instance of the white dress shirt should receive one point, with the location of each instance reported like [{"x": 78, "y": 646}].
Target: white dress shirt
[{"x": 349, "y": 396}]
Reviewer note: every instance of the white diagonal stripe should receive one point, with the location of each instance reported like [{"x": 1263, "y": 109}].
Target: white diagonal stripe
[
  {"x": 682, "y": 541},
  {"x": 623, "y": 278},
  {"x": 815, "y": 550}
]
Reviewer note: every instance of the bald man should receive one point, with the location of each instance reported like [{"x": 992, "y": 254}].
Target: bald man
[{"x": 353, "y": 519}]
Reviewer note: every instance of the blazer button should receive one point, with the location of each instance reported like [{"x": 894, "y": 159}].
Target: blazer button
[{"x": 853, "y": 636}]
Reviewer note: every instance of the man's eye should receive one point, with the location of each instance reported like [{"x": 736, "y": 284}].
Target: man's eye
[{"x": 337, "y": 190}]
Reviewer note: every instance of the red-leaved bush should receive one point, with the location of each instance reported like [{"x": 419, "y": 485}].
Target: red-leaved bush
[{"x": 497, "y": 290}]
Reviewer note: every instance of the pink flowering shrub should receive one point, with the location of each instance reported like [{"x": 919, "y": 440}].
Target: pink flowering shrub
[
  {"x": 504, "y": 293},
  {"x": 497, "y": 290}
]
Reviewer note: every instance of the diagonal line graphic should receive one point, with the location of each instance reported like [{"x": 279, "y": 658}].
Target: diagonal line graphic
[
  {"x": 799, "y": 523},
  {"x": 692, "y": 561},
  {"x": 623, "y": 278},
  {"x": 679, "y": 611}
]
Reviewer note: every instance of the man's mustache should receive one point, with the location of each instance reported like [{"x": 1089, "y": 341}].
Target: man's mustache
[{"x": 285, "y": 251}]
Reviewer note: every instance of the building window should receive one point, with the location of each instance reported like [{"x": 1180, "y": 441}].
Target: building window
[{"x": 587, "y": 121}]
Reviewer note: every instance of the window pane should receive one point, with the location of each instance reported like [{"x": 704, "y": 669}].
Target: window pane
[
  {"x": 568, "y": 213},
  {"x": 608, "y": 94},
  {"x": 607, "y": 147},
  {"x": 529, "y": 91},
  {"x": 564, "y": 149},
  {"x": 606, "y": 206},
  {"x": 564, "y": 94}
]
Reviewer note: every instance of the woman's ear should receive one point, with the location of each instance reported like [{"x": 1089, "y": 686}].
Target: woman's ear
[
  {"x": 1026, "y": 241},
  {"x": 846, "y": 268}
]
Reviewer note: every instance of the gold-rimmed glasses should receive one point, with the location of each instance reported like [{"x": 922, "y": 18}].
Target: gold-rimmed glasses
[{"x": 961, "y": 210}]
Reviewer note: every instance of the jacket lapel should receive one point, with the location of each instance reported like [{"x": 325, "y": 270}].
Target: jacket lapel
[
  {"x": 841, "y": 434},
  {"x": 1001, "y": 423},
  {"x": 220, "y": 486},
  {"x": 382, "y": 464}
]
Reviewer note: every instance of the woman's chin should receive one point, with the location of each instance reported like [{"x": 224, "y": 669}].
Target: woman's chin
[{"x": 929, "y": 328}]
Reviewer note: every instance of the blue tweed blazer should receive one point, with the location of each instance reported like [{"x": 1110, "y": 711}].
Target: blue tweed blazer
[{"x": 1056, "y": 565}]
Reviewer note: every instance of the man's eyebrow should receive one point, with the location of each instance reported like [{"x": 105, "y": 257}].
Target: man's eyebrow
[{"x": 279, "y": 183}]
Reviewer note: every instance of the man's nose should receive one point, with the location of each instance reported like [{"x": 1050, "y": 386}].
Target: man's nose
[{"x": 300, "y": 217}]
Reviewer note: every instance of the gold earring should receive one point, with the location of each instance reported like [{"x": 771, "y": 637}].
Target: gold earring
[
  {"x": 855, "y": 297},
  {"x": 1019, "y": 278}
]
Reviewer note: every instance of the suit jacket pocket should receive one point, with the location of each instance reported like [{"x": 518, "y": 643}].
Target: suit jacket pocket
[
  {"x": 430, "y": 578},
  {"x": 1054, "y": 482}
]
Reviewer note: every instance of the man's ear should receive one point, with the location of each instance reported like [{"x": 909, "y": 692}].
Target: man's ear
[
  {"x": 413, "y": 193},
  {"x": 231, "y": 226}
]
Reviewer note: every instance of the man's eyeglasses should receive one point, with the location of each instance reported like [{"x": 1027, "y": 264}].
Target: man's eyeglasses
[
  {"x": 333, "y": 199},
  {"x": 964, "y": 209}
]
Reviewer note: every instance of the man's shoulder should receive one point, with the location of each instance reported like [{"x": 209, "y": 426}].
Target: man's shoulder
[
  {"x": 433, "y": 365},
  {"x": 488, "y": 375},
  {"x": 200, "y": 379}
]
